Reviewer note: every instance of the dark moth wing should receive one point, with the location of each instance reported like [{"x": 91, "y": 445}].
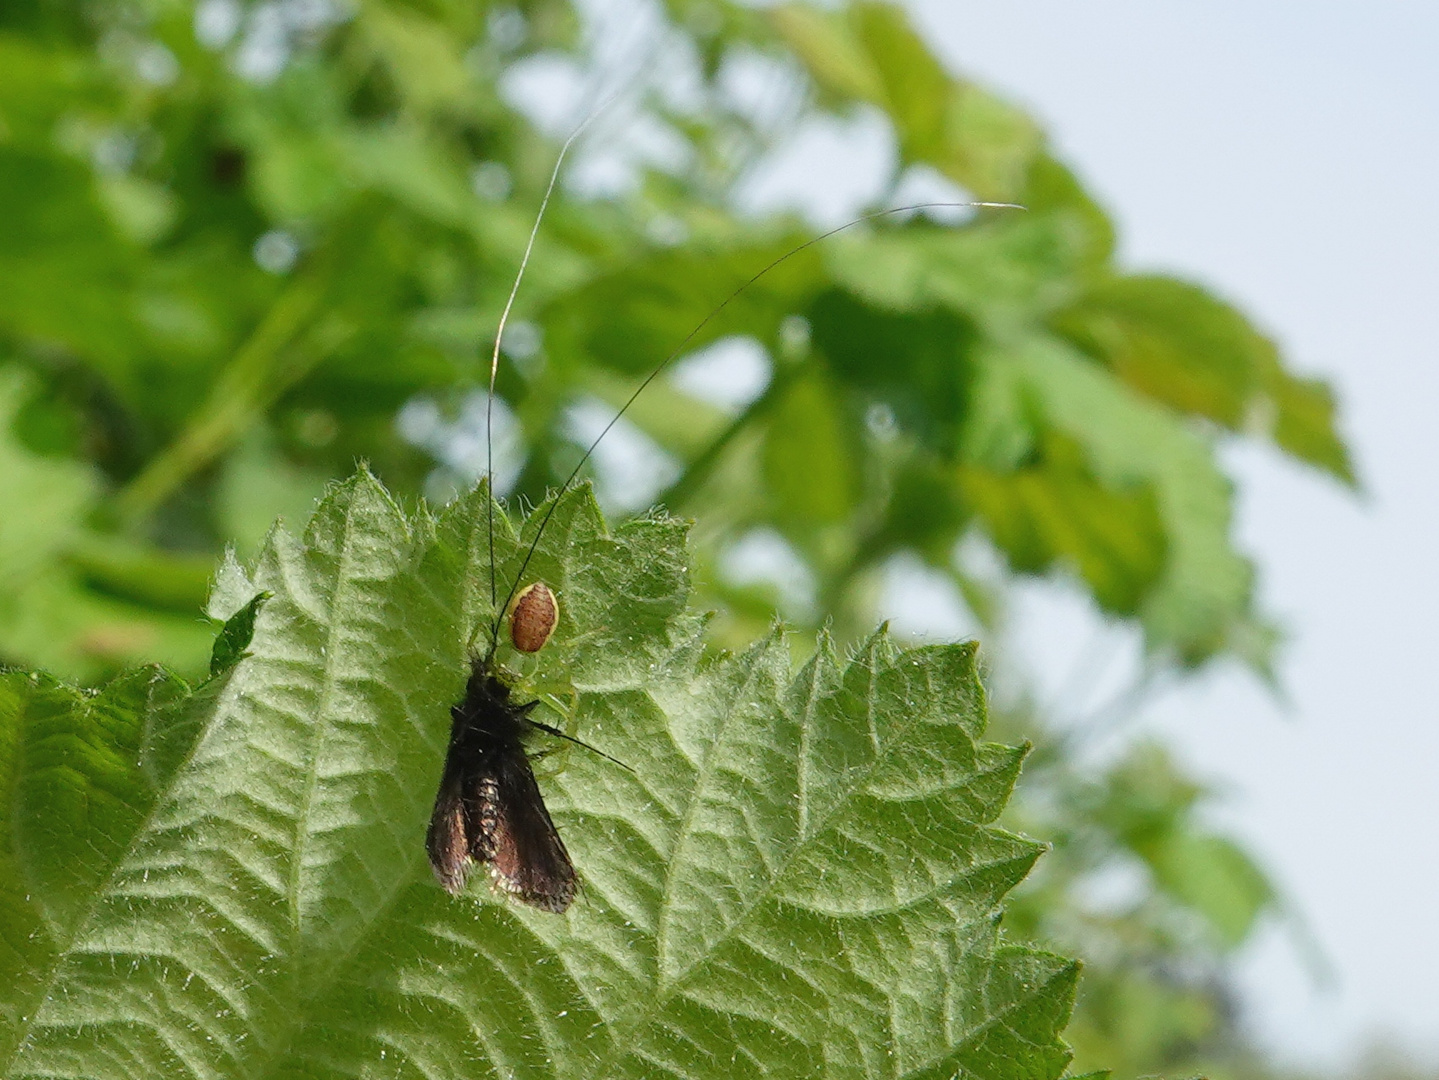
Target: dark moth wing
[
  {"x": 446, "y": 842},
  {"x": 489, "y": 808},
  {"x": 526, "y": 853}
]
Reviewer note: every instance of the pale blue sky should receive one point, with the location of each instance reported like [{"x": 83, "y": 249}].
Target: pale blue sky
[{"x": 1287, "y": 154}]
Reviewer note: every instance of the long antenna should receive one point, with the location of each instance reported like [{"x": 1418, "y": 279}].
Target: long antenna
[
  {"x": 499, "y": 335},
  {"x": 679, "y": 350},
  {"x": 557, "y": 733},
  {"x": 609, "y": 99}
]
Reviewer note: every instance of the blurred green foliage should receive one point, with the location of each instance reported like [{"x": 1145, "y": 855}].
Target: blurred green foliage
[{"x": 248, "y": 244}]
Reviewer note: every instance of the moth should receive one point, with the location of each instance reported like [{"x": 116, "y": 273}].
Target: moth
[{"x": 489, "y": 809}]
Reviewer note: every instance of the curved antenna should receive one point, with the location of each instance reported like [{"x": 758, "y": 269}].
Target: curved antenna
[
  {"x": 609, "y": 99},
  {"x": 714, "y": 314},
  {"x": 495, "y": 353}
]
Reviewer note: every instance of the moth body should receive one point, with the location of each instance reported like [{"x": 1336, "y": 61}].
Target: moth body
[{"x": 489, "y": 809}]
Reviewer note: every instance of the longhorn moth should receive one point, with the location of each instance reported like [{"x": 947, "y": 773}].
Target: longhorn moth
[{"x": 489, "y": 809}]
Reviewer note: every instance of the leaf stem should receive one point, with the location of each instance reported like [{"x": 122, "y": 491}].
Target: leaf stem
[
  {"x": 250, "y": 382},
  {"x": 703, "y": 464}
]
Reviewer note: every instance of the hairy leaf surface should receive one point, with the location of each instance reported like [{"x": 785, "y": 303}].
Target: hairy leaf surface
[{"x": 801, "y": 876}]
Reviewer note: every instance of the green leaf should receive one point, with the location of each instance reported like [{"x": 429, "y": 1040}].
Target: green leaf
[
  {"x": 36, "y": 84},
  {"x": 834, "y": 56},
  {"x": 1201, "y": 601},
  {"x": 1051, "y": 188},
  {"x": 916, "y": 86},
  {"x": 160, "y": 579},
  {"x": 66, "y": 595},
  {"x": 1178, "y": 344},
  {"x": 1000, "y": 274},
  {"x": 1304, "y": 415},
  {"x": 44, "y": 497},
  {"x": 1055, "y": 512},
  {"x": 869, "y": 52},
  {"x": 809, "y": 465},
  {"x": 990, "y": 146},
  {"x": 67, "y": 276},
  {"x": 421, "y": 55},
  {"x": 917, "y": 364},
  {"x": 1150, "y": 806},
  {"x": 632, "y": 317},
  {"x": 234, "y": 637},
  {"x": 800, "y": 877},
  {"x": 1215, "y": 877},
  {"x": 80, "y": 773}
]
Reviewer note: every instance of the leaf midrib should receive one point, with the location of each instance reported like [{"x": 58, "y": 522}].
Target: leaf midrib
[
  {"x": 333, "y": 624},
  {"x": 671, "y": 988},
  {"x": 326, "y": 973}
]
